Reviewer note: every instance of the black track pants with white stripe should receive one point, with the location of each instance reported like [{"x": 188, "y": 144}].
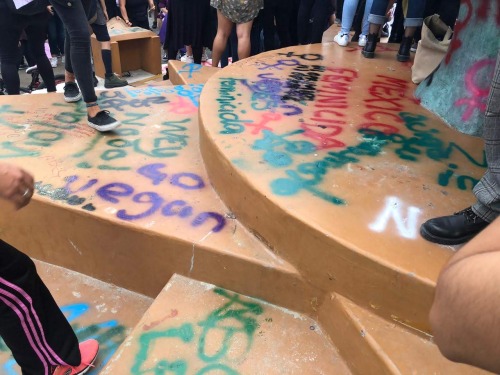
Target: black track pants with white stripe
[{"x": 31, "y": 323}]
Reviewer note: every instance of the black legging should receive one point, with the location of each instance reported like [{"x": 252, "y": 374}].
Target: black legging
[
  {"x": 312, "y": 20},
  {"x": 280, "y": 11},
  {"x": 77, "y": 43},
  {"x": 11, "y": 27}
]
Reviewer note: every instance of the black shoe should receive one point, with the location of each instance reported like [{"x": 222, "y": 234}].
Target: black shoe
[
  {"x": 454, "y": 229},
  {"x": 103, "y": 122},
  {"x": 369, "y": 48},
  {"x": 114, "y": 81},
  {"x": 71, "y": 92},
  {"x": 404, "y": 49}
]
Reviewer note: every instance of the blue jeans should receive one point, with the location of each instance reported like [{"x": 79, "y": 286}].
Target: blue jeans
[
  {"x": 348, "y": 16},
  {"x": 413, "y": 18}
]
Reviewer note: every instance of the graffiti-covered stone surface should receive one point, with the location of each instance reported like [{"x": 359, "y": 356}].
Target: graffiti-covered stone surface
[
  {"x": 197, "y": 328},
  {"x": 337, "y": 147}
]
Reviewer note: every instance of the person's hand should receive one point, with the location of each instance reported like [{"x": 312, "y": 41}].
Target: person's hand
[
  {"x": 106, "y": 15},
  {"x": 16, "y": 185},
  {"x": 50, "y": 9},
  {"x": 151, "y": 8}
]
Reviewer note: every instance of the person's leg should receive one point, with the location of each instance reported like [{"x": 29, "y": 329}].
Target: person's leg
[
  {"x": 61, "y": 32},
  {"x": 376, "y": 20},
  {"x": 448, "y": 11},
  {"x": 294, "y": 11},
  {"x": 224, "y": 60},
  {"x": 102, "y": 36},
  {"x": 224, "y": 27},
  {"x": 414, "y": 17},
  {"x": 377, "y": 14},
  {"x": 487, "y": 191},
  {"x": 269, "y": 26},
  {"x": 365, "y": 28},
  {"x": 413, "y": 20},
  {"x": 304, "y": 21},
  {"x": 155, "y": 14},
  {"x": 31, "y": 323},
  {"x": 77, "y": 46},
  {"x": 348, "y": 13},
  {"x": 462, "y": 226},
  {"x": 10, "y": 30},
  {"x": 78, "y": 60},
  {"x": 197, "y": 52},
  {"x": 26, "y": 51},
  {"x": 283, "y": 18},
  {"x": 52, "y": 36},
  {"x": 321, "y": 12},
  {"x": 358, "y": 20},
  {"x": 243, "y": 32},
  {"x": 256, "y": 45},
  {"x": 465, "y": 310},
  {"x": 36, "y": 36},
  {"x": 339, "y": 9}
]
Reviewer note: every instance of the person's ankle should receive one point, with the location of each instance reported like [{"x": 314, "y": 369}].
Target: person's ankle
[{"x": 92, "y": 109}]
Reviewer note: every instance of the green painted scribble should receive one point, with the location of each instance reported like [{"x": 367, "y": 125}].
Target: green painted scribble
[
  {"x": 223, "y": 319},
  {"x": 235, "y": 317},
  {"x": 149, "y": 339},
  {"x": 422, "y": 143},
  {"x": 9, "y": 150}
]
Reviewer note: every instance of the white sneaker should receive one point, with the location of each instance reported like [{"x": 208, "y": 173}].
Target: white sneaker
[
  {"x": 187, "y": 59},
  {"x": 204, "y": 57},
  {"x": 341, "y": 39},
  {"x": 362, "y": 40},
  {"x": 53, "y": 61}
]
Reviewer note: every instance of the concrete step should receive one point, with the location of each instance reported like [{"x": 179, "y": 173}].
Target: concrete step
[
  {"x": 197, "y": 328},
  {"x": 372, "y": 345},
  {"x": 182, "y": 73},
  {"x": 95, "y": 310},
  {"x": 135, "y": 204},
  {"x": 335, "y": 165}
]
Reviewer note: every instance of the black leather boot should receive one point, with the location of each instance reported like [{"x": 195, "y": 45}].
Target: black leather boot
[
  {"x": 369, "y": 48},
  {"x": 453, "y": 229},
  {"x": 404, "y": 49}
]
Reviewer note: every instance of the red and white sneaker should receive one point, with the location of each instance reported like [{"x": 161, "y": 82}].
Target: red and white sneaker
[{"x": 88, "y": 352}]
